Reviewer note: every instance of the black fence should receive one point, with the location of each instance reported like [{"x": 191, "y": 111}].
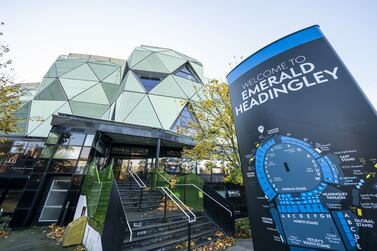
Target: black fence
[
  {"x": 14, "y": 171},
  {"x": 212, "y": 178},
  {"x": 115, "y": 226},
  {"x": 221, "y": 216}
]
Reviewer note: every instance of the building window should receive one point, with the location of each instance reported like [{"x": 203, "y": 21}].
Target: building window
[
  {"x": 67, "y": 152},
  {"x": 40, "y": 165},
  {"x": 81, "y": 167},
  {"x": 62, "y": 166},
  {"x": 182, "y": 124},
  {"x": 10, "y": 201},
  {"x": 149, "y": 79},
  {"x": 33, "y": 149},
  {"x": 53, "y": 138},
  {"x": 187, "y": 73},
  {"x": 85, "y": 153},
  {"x": 89, "y": 140},
  {"x": 18, "y": 147},
  {"x": 72, "y": 139},
  {"x": 47, "y": 151},
  {"x": 19, "y": 159}
]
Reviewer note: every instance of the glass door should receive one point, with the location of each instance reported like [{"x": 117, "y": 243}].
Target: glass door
[{"x": 54, "y": 201}]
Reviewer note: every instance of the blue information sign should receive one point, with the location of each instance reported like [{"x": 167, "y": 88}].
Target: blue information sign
[{"x": 308, "y": 145}]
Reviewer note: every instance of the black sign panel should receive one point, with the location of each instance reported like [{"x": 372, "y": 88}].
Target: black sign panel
[{"x": 308, "y": 145}]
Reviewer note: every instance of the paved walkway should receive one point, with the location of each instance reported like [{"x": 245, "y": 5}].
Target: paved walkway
[
  {"x": 242, "y": 245},
  {"x": 30, "y": 239},
  {"x": 35, "y": 239}
]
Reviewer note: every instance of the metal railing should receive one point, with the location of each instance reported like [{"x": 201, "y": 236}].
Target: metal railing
[
  {"x": 14, "y": 171},
  {"x": 216, "y": 211},
  {"x": 195, "y": 186},
  {"x": 124, "y": 212},
  {"x": 209, "y": 196},
  {"x": 168, "y": 193},
  {"x": 138, "y": 180},
  {"x": 212, "y": 178},
  {"x": 170, "y": 184},
  {"x": 140, "y": 183},
  {"x": 116, "y": 224},
  {"x": 215, "y": 206}
]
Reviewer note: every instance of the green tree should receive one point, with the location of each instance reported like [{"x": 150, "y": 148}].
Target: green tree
[
  {"x": 214, "y": 130},
  {"x": 9, "y": 92}
]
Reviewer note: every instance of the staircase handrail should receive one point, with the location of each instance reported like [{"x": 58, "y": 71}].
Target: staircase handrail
[
  {"x": 173, "y": 197},
  {"x": 209, "y": 196},
  {"x": 138, "y": 180},
  {"x": 164, "y": 178},
  {"x": 229, "y": 211},
  {"x": 168, "y": 192},
  {"x": 124, "y": 213}
]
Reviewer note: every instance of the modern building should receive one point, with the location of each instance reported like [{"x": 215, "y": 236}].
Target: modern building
[
  {"x": 138, "y": 103},
  {"x": 89, "y": 110}
]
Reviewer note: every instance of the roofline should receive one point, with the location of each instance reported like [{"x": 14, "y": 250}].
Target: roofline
[{"x": 68, "y": 120}]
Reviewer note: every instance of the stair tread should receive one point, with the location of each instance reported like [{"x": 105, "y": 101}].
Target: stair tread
[
  {"x": 144, "y": 199},
  {"x": 137, "y": 193},
  {"x": 162, "y": 224},
  {"x": 143, "y": 202},
  {"x": 171, "y": 232},
  {"x": 170, "y": 242},
  {"x": 175, "y": 229},
  {"x": 169, "y": 215},
  {"x": 142, "y": 206},
  {"x": 134, "y": 196}
]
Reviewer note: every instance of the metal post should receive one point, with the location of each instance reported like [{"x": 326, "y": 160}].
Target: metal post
[
  {"x": 164, "y": 220},
  {"x": 141, "y": 198},
  {"x": 146, "y": 169},
  {"x": 61, "y": 223},
  {"x": 189, "y": 236},
  {"x": 157, "y": 152},
  {"x": 128, "y": 176},
  {"x": 184, "y": 190}
]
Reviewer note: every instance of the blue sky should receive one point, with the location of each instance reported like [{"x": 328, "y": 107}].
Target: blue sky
[{"x": 215, "y": 32}]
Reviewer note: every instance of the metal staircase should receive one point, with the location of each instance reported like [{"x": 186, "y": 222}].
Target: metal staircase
[{"x": 153, "y": 227}]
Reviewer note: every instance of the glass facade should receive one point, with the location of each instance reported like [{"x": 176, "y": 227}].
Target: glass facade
[
  {"x": 187, "y": 73},
  {"x": 68, "y": 151},
  {"x": 54, "y": 201},
  {"x": 182, "y": 124},
  {"x": 58, "y": 172},
  {"x": 157, "y": 87},
  {"x": 151, "y": 89},
  {"x": 19, "y": 156}
]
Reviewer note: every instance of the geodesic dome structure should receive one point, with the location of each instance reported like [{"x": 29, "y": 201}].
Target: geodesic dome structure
[
  {"x": 151, "y": 89},
  {"x": 75, "y": 84},
  {"x": 157, "y": 86}
]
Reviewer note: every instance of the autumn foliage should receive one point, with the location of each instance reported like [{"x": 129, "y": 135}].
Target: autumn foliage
[
  {"x": 10, "y": 93},
  {"x": 214, "y": 130}
]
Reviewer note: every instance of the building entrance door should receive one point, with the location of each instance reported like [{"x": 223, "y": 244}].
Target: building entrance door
[
  {"x": 123, "y": 165},
  {"x": 55, "y": 200}
]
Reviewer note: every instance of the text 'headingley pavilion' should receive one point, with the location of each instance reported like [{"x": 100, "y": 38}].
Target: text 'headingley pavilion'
[{"x": 93, "y": 109}]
